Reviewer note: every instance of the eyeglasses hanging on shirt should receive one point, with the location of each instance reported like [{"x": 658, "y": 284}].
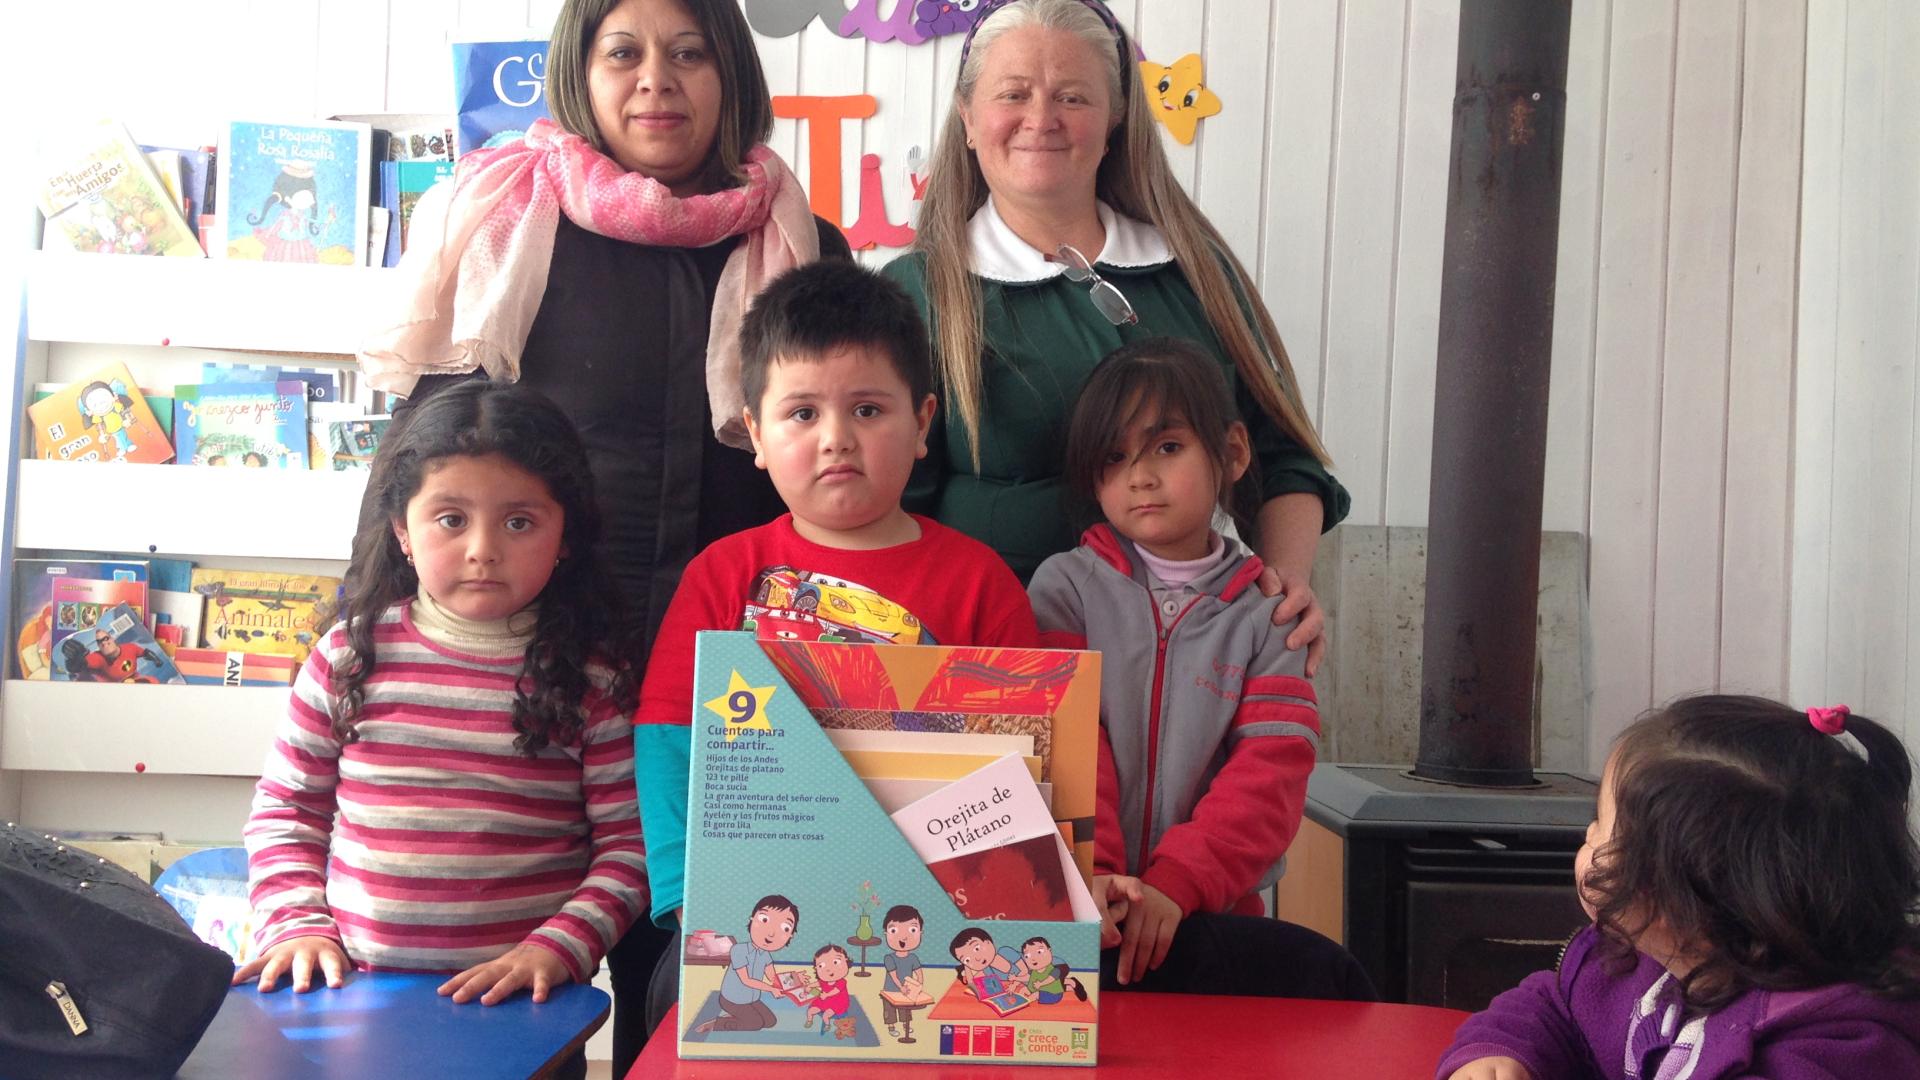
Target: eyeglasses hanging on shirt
[{"x": 1108, "y": 299}]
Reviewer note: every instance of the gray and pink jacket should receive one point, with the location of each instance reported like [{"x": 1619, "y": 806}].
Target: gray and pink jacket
[{"x": 1208, "y": 725}]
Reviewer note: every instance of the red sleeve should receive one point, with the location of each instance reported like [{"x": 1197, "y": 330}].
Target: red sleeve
[
  {"x": 1109, "y": 843},
  {"x": 1004, "y": 618},
  {"x": 708, "y": 598},
  {"x": 1250, "y": 812}
]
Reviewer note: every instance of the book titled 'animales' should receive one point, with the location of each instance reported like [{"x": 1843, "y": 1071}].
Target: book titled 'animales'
[{"x": 257, "y": 611}]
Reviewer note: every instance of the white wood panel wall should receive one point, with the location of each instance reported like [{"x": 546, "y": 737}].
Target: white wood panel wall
[
  {"x": 1856, "y": 557},
  {"x": 1722, "y": 488}
]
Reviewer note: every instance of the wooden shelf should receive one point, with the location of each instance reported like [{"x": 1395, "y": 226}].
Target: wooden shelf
[
  {"x": 116, "y": 728},
  {"x": 187, "y": 510},
  {"x": 205, "y": 303}
]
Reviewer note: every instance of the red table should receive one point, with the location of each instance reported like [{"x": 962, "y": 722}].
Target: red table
[{"x": 1144, "y": 1036}]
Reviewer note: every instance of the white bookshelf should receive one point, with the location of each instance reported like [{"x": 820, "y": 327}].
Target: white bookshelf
[
  {"x": 186, "y": 510},
  {"x": 204, "y": 303},
  {"x": 60, "y": 727},
  {"x": 172, "y": 759}
]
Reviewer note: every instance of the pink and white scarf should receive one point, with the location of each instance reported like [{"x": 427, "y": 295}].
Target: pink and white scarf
[{"x": 479, "y": 249}]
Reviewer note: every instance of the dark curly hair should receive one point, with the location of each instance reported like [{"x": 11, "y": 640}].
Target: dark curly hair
[
  {"x": 577, "y": 625},
  {"x": 1783, "y": 860}
]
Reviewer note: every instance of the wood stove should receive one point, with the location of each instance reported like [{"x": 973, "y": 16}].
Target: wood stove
[{"x": 1446, "y": 894}]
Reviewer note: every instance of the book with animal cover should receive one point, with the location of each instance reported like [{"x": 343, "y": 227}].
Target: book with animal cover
[
  {"x": 261, "y": 611},
  {"x": 251, "y": 425},
  {"x": 33, "y": 581},
  {"x": 100, "y": 194},
  {"x": 295, "y": 191},
  {"x": 103, "y": 417},
  {"x": 218, "y": 667},
  {"x": 118, "y": 648},
  {"x": 79, "y": 605}
]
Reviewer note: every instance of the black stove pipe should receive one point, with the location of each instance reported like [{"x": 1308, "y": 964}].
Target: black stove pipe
[{"x": 1490, "y": 399}]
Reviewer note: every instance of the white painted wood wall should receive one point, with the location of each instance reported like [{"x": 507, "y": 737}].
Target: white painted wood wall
[{"x": 1733, "y": 409}]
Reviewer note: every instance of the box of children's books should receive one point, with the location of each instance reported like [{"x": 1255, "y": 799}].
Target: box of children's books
[{"x": 887, "y": 853}]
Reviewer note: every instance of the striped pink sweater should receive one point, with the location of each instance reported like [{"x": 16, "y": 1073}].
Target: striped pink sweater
[{"x": 430, "y": 843}]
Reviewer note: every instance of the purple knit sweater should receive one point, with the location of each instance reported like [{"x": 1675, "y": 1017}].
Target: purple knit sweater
[{"x": 1580, "y": 1022}]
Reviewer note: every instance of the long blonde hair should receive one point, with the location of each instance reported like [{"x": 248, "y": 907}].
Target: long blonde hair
[{"x": 1135, "y": 180}]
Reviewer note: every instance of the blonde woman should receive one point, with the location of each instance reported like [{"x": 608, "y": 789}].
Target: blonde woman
[{"x": 1052, "y": 233}]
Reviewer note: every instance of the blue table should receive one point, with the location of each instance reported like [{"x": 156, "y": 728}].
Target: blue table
[{"x": 391, "y": 1025}]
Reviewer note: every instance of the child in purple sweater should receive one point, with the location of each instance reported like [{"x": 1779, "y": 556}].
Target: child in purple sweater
[{"x": 1751, "y": 875}]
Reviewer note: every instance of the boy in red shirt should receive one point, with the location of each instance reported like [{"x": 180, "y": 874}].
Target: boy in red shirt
[{"x": 837, "y": 377}]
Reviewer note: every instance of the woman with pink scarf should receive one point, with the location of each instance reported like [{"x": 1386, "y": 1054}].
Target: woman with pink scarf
[{"x": 606, "y": 260}]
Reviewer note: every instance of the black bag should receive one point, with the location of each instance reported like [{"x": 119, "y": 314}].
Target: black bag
[{"x": 98, "y": 976}]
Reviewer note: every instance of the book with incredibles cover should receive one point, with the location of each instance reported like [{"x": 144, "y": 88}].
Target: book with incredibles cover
[
  {"x": 118, "y": 649},
  {"x": 792, "y": 861}
]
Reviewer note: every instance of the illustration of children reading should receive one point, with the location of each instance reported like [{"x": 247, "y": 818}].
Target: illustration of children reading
[
  {"x": 111, "y": 410},
  {"x": 995, "y": 977},
  {"x": 751, "y": 978},
  {"x": 902, "y": 927},
  {"x": 1048, "y": 980},
  {"x": 831, "y": 999}
]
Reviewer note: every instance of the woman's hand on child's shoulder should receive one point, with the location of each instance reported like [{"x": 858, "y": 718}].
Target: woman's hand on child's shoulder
[
  {"x": 526, "y": 966},
  {"x": 297, "y": 957},
  {"x": 1492, "y": 1068}
]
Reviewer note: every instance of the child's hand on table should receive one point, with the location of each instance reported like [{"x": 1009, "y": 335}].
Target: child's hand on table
[
  {"x": 1492, "y": 1068},
  {"x": 297, "y": 956},
  {"x": 496, "y": 980},
  {"x": 1148, "y": 933},
  {"x": 1113, "y": 895}
]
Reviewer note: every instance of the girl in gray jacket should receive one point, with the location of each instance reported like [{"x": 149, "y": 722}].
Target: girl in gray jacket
[{"x": 1208, "y": 724}]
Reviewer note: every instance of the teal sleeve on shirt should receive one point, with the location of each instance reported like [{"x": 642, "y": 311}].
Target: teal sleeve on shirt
[{"x": 662, "y": 754}]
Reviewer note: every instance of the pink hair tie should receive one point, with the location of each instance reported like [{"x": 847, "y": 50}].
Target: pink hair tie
[{"x": 1833, "y": 721}]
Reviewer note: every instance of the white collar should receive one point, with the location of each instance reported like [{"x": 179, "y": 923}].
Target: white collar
[{"x": 999, "y": 255}]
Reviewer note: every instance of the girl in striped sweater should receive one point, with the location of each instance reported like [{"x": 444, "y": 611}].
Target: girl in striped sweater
[{"x": 452, "y": 788}]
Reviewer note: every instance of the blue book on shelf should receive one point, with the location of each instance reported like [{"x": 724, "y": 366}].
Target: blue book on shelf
[
  {"x": 250, "y": 425},
  {"x": 499, "y": 90}
]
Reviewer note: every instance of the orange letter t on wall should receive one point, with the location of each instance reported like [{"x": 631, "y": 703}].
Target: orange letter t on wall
[{"x": 822, "y": 117}]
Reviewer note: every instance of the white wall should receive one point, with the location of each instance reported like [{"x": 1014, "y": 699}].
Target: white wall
[
  {"x": 1713, "y": 479},
  {"x": 1856, "y": 618}
]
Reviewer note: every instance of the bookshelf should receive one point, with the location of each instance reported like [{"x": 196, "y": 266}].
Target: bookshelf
[{"x": 172, "y": 759}]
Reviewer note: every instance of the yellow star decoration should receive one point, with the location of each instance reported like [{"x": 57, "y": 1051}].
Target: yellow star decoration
[
  {"x": 1177, "y": 95},
  {"x": 743, "y": 707}
]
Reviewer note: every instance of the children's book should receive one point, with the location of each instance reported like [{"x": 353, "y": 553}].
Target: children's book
[
  {"x": 389, "y": 175},
  {"x": 296, "y": 191},
  {"x": 412, "y": 179},
  {"x": 33, "y": 612},
  {"x": 251, "y": 425},
  {"x": 322, "y": 385},
  {"x": 1004, "y": 1002},
  {"x": 119, "y": 649},
  {"x": 499, "y": 90},
  {"x": 101, "y": 194},
  {"x": 216, "y": 667},
  {"x": 259, "y": 611},
  {"x": 103, "y": 417},
  {"x": 779, "y": 826},
  {"x": 351, "y": 444},
  {"x": 78, "y": 607}
]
